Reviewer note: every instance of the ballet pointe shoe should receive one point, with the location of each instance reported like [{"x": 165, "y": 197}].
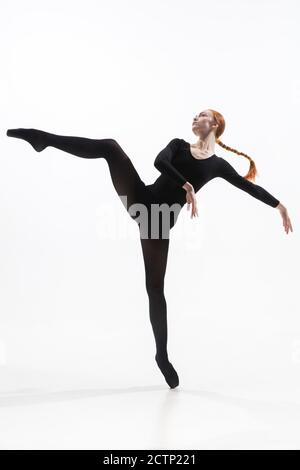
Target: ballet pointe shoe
[
  {"x": 168, "y": 371},
  {"x": 34, "y": 137}
]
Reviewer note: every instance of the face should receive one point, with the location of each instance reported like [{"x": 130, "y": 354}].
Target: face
[{"x": 203, "y": 123}]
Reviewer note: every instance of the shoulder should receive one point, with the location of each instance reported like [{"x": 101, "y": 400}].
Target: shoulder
[
  {"x": 176, "y": 141},
  {"x": 220, "y": 160},
  {"x": 226, "y": 170},
  {"x": 218, "y": 163},
  {"x": 223, "y": 167},
  {"x": 174, "y": 144},
  {"x": 223, "y": 164}
]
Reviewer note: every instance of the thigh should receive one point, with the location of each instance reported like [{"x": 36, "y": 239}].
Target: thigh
[{"x": 125, "y": 178}]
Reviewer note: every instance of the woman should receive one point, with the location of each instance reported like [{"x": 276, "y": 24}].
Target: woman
[{"x": 184, "y": 168}]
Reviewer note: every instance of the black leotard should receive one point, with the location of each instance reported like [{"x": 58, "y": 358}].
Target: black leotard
[{"x": 177, "y": 166}]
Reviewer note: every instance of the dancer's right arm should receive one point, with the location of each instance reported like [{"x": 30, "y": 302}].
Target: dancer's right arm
[{"x": 163, "y": 162}]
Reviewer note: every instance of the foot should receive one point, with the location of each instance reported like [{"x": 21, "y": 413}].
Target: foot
[
  {"x": 168, "y": 371},
  {"x": 35, "y": 137}
]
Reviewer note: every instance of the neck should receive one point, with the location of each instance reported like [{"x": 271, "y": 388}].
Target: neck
[{"x": 206, "y": 144}]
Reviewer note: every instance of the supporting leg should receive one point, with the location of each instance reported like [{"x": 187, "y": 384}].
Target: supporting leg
[{"x": 155, "y": 253}]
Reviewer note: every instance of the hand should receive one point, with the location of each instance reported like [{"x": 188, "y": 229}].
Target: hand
[
  {"x": 191, "y": 199},
  {"x": 285, "y": 217}
]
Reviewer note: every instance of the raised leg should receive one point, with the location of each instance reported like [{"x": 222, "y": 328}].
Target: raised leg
[
  {"x": 155, "y": 254},
  {"x": 124, "y": 176}
]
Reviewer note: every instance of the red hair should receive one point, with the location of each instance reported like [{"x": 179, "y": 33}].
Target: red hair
[{"x": 219, "y": 119}]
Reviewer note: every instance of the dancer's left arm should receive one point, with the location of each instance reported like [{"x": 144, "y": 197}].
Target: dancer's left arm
[{"x": 227, "y": 172}]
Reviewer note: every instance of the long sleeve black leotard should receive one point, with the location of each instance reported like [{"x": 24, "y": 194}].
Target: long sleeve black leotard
[{"x": 177, "y": 166}]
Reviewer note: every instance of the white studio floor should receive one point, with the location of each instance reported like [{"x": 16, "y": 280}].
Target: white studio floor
[{"x": 223, "y": 409}]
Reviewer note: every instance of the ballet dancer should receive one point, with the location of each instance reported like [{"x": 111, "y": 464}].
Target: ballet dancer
[{"x": 184, "y": 169}]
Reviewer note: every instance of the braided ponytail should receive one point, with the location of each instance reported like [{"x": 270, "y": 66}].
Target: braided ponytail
[
  {"x": 252, "y": 172},
  {"x": 220, "y": 121}
]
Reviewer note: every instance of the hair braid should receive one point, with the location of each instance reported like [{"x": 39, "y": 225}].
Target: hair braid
[
  {"x": 220, "y": 121},
  {"x": 252, "y": 172}
]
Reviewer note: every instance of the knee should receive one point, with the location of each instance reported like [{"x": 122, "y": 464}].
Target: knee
[
  {"x": 155, "y": 288},
  {"x": 115, "y": 144},
  {"x": 114, "y": 149},
  {"x": 112, "y": 144}
]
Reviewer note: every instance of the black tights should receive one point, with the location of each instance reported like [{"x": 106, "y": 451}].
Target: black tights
[{"x": 126, "y": 181}]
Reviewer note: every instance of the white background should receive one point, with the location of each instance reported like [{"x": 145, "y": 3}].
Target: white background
[{"x": 76, "y": 345}]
